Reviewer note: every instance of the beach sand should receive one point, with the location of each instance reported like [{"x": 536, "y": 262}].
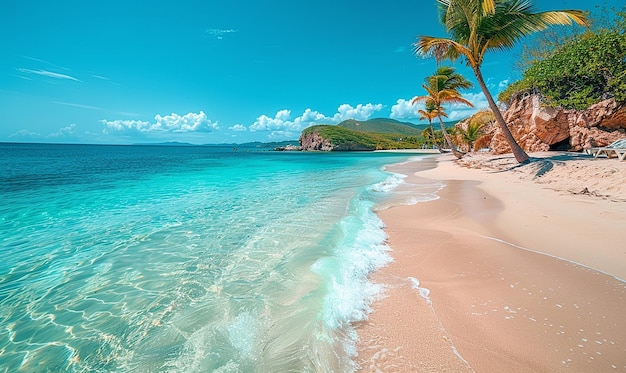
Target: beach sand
[{"x": 512, "y": 269}]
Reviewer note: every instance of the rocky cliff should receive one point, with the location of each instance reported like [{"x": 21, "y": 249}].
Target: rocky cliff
[
  {"x": 314, "y": 141},
  {"x": 540, "y": 128}
]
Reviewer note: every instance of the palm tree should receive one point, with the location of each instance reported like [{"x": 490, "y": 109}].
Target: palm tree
[
  {"x": 471, "y": 134},
  {"x": 477, "y": 26},
  {"x": 443, "y": 89},
  {"x": 474, "y": 128},
  {"x": 429, "y": 136},
  {"x": 430, "y": 113}
]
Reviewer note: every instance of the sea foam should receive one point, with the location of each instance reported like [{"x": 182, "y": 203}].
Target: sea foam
[{"x": 360, "y": 249}]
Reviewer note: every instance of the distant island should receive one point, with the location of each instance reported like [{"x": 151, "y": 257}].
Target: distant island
[{"x": 372, "y": 134}]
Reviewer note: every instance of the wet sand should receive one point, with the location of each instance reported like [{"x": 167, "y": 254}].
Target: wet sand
[{"x": 501, "y": 273}]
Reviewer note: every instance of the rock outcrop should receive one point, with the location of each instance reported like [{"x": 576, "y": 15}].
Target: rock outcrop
[
  {"x": 540, "y": 128},
  {"x": 314, "y": 141},
  {"x": 288, "y": 148}
]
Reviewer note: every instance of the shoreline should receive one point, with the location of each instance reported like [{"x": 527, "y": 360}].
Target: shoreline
[{"x": 503, "y": 272}]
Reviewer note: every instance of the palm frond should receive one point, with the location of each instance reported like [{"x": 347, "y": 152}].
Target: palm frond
[
  {"x": 566, "y": 17},
  {"x": 516, "y": 19},
  {"x": 439, "y": 48},
  {"x": 489, "y": 7},
  {"x": 425, "y": 99},
  {"x": 480, "y": 25},
  {"x": 456, "y": 100}
]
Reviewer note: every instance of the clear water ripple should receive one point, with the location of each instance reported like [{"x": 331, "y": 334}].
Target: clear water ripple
[{"x": 191, "y": 259}]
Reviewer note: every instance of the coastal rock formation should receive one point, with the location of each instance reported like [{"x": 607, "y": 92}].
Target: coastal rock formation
[
  {"x": 540, "y": 128},
  {"x": 314, "y": 141},
  {"x": 288, "y": 148}
]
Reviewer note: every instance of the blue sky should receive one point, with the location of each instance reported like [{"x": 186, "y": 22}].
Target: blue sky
[{"x": 216, "y": 71}]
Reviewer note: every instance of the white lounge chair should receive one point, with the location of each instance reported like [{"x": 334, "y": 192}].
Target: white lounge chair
[{"x": 617, "y": 147}]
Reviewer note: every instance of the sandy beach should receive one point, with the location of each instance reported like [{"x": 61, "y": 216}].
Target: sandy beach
[{"x": 512, "y": 269}]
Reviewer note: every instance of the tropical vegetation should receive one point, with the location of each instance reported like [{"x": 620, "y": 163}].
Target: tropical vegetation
[
  {"x": 473, "y": 130},
  {"x": 382, "y": 125},
  {"x": 443, "y": 88},
  {"x": 584, "y": 71},
  {"x": 346, "y": 139},
  {"x": 429, "y": 113},
  {"x": 379, "y": 133},
  {"x": 478, "y": 26}
]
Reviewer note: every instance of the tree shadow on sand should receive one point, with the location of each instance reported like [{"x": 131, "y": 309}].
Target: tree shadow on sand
[{"x": 541, "y": 166}]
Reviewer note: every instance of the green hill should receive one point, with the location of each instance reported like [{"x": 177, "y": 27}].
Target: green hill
[
  {"x": 340, "y": 138},
  {"x": 372, "y": 134},
  {"x": 383, "y": 125}
]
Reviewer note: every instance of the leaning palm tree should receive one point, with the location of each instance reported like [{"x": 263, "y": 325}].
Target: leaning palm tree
[
  {"x": 477, "y": 26},
  {"x": 442, "y": 89}
]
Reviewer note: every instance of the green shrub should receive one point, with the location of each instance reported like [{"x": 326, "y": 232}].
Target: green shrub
[{"x": 580, "y": 74}]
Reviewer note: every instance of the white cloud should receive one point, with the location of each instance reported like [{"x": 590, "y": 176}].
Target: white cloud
[
  {"x": 460, "y": 111},
  {"x": 279, "y": 122},
  {"x": 478, "y": 99},
  {"x": 173, "y": 123},
  {"x": 25, "y": 134},
  {"x": 238, "y": 128},
  {"x": 360, "y": 112},
  {"x": 403, "y": 109},
  {"x": 190, "y": 122},
  {"x": 48, "y": 74},
  {"x": 282, "y": 125},
  {"x": 64, "y": 132},
  {"x": 282, "y": 122},
  {"x": 125, "y": 125},
  {"x": 503, "y": 84},
  {"x": 460, "y": 114},
  {"x": 311, "y": 117}
]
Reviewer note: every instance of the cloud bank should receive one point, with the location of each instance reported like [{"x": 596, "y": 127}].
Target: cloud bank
[
  {"x": 282, "y": 124},
  {"x": 173, "y": 123}
]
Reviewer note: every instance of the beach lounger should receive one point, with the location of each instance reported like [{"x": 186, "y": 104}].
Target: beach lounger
[{"x": 617, "y": 147}]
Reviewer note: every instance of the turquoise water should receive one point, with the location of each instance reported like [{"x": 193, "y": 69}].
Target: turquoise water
[{"x": 186, "y": 259}]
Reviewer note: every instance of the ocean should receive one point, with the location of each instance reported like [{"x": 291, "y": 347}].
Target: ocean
[{"x": 188, "y": 258}]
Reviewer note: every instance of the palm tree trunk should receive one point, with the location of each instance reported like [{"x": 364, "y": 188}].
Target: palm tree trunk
[
  {"x": 432, "y": 133},
  {"x": 455, "y": 151},
  {"x": 518, "y": 152}
]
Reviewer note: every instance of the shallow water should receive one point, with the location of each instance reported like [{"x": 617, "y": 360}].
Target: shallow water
[{"x": 195, "y": 259}]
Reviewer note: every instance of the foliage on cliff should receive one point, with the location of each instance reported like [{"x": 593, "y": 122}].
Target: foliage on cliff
[
  {"x": 346, "y": 139},
  {"x": 589, "y": 69}
]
